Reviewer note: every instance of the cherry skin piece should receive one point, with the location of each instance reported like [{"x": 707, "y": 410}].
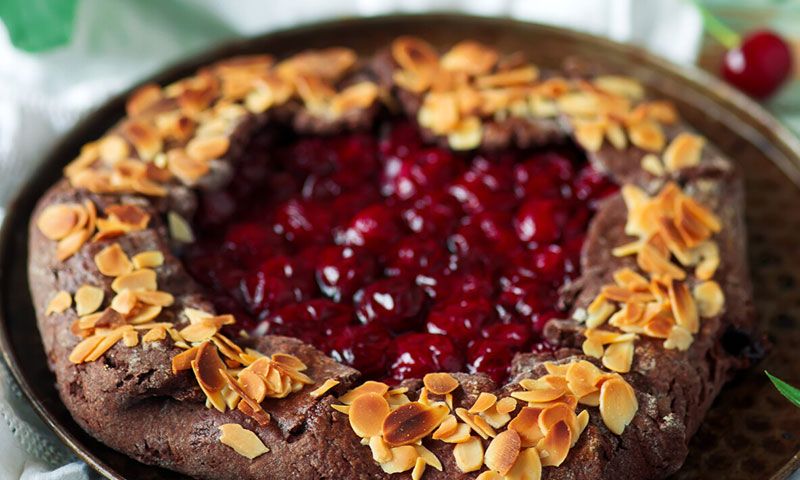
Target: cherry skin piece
[
  {"x": 374, "y": 227},
  {"x": 367, "y": 348},
  {"x": 460, "y": 320},
  {"x": 491, "y": 357},
  {"x": 760, "y": 65},
  {"x": 341, "y": 271},
  {"x": 312, "y": 321}
]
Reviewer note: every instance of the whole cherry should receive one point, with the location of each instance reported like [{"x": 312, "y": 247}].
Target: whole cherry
[{"x": 759, "y": 65}]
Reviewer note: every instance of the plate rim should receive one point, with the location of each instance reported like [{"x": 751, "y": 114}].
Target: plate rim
[{"x": 721, "y": 93}]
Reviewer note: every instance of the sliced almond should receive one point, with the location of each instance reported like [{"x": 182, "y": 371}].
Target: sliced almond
[
  {"x": 112, "y": 261},
  {"x": 84, "y": 348},
  {"x": 683, "y": 306},
  {"x": 461, "y": 434},
  {"x": 411, "y": 422},
  {"x": 323, "y": 389},
  {"x": 582, "y": 376},
  {"x": 526, "y": 424},
  {"x": 556, "y": 444},
  {"x": 381, "y": 452},
  {"x": 367, "y": 415},
  {"x": 88, "y": 299},
  {"x": 283, "y": 359},
  {"x": 469, "y": 455},
  {"x": 124, "y": 302},
  {"x": 143, "y": 314},
  {"x": 469, "y": 57},
  {"x": 363, "y": 389},
  {"x": 429, "y": 457},
  {"x": 506, "y": 405},
  {"x": 156, "y": 334},
  {"x": 403, "y": 459},
  {"x": 154, "y": 297},
  {"x": 527, "y": 467},
  {"x": 59, "y": 303},
  {"x": 709, "y": 298},
  {"x": 448, "y": 427},
  {"x": 440, "y": 383},
  {"x": 503, "y": 451},
  {"x": 683, "y": 151},
  {"x": 58, "y": 220},
  {"x": 144, "y": 279},
  {"x": 243, "y": 441},
  {"x": 207, "y": 366},
  {"x": 484, "y": 401},
  {"x": 543, "y": 389},
  {"x": 618, "y": 357},
  {"x": 618, "y": 404},
  {"x": 490, "y": 475},
  {"x": 149, "y": 259},
  {"x": 647, "y": 135},
  {"x": 130, "y": 338}
]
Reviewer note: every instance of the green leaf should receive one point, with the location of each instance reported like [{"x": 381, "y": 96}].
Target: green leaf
[
  {"x": 788, "y": 391},
  {"x": 38, "y": 25}
]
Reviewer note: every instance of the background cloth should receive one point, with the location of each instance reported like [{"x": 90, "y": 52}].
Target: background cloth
[{"x": 116, "y": 43}]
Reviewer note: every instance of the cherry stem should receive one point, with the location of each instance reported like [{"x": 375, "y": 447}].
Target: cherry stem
[{"x": 717, "y": 29}]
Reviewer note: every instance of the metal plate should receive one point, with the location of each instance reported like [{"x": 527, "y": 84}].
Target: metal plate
[{"x": 750, "y": 432}]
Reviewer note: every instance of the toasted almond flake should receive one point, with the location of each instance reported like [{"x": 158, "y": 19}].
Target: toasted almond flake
[
  {"x": 207, "y": 366},
  {"x": 541, "y": 390},
  {"x": 179, "y": 228},
  {"x": 469, "y": 419},
  {"x": 130, "y": 338},
  {"x": 506, "y": 405},
  {"x": 367, "y": 415},
  {"x": 480, "y": 422},
  {"x": 709, "y": 298},
  {"x": 113, "y": 148},
  {"x": 380, "y": 450},
  {"x": 59, "y": 303},
  {"x": 112, "y": 261},
  {"x": 342, "y": 408},
  {"x": 448, "y": 427},
  {"x": 243, "y": 441},
  {"x": 494, "y": 418},
  {"x": 469, "y": 57},
  {"x": 429, "y": 457},
  {"x": 647, "y": 135},
  {"x": 490, "y": 475},
  {"x": 411, "y": 422},
  {"x": 440, "y": 383},
  {"x": 683, "y": 306},
  {"x": 159, "y": 333},
  {"x": 679, "y": 338},
  {"x": 684, "y": 151},
  {"x": 70, "y": 244},
  {"x": 484, "y": 401},
  {"x": 556, "y": 444},
  {"x": 469, "y": 455},
  {"x": 419, "y": 469},
  {"x": 253, "y": 385},
  {"x": 257, "y": 414},
  {"x": 58, "y": 220},
  {"x": 652, "y": 164},
  {"x": 363, "y": 389},
  {"x": 583, "y": 421},
  {"x": 124, "y": 302},
  {"x": 143, "y": 314},
  {"x": 199, "y": 332},
  {"x": 589, "y": 135},
  {"x": 288, "y": 361},
  {"x": 150, "y": 297},
  {"x": 466, "y": 135},
  {"x": 88, "y": 299},
  {"x": 618, "y": 404},
  {"x": 323, "y": 389},
  {"x": 582, "y": 376},
  {"x": 355, "y": 97},
  {"x": 619, "y": 85},
  {"x": 618, "y": 357},
  {"x": 558, "y": 412},
  {"x": 84, "y": 348},
  {"x": 503, "y": 451},
  {"x": 591, "y": 399},
  {"x": 526, "y": 424},
  {"x": 598, "y": 312},
  {"x": 462, "y": 434},
  {"x": 144, "y": 279},
  {"x": 110, "y": 339},
  {"x": 527, "y": 467},
  {"x": 207, "y": 148},
  {"x": 149, "y": 259},
  {"x": 403, "y": 459}
]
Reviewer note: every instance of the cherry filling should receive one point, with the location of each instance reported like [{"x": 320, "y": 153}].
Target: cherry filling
[{"x": 393, "y": 256}]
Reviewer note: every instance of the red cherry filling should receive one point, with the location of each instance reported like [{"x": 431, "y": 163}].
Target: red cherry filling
[{"x": 396, "y": 257}]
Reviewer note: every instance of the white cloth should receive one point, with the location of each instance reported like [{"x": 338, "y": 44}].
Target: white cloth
[{"x": 116, "y": 43}]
